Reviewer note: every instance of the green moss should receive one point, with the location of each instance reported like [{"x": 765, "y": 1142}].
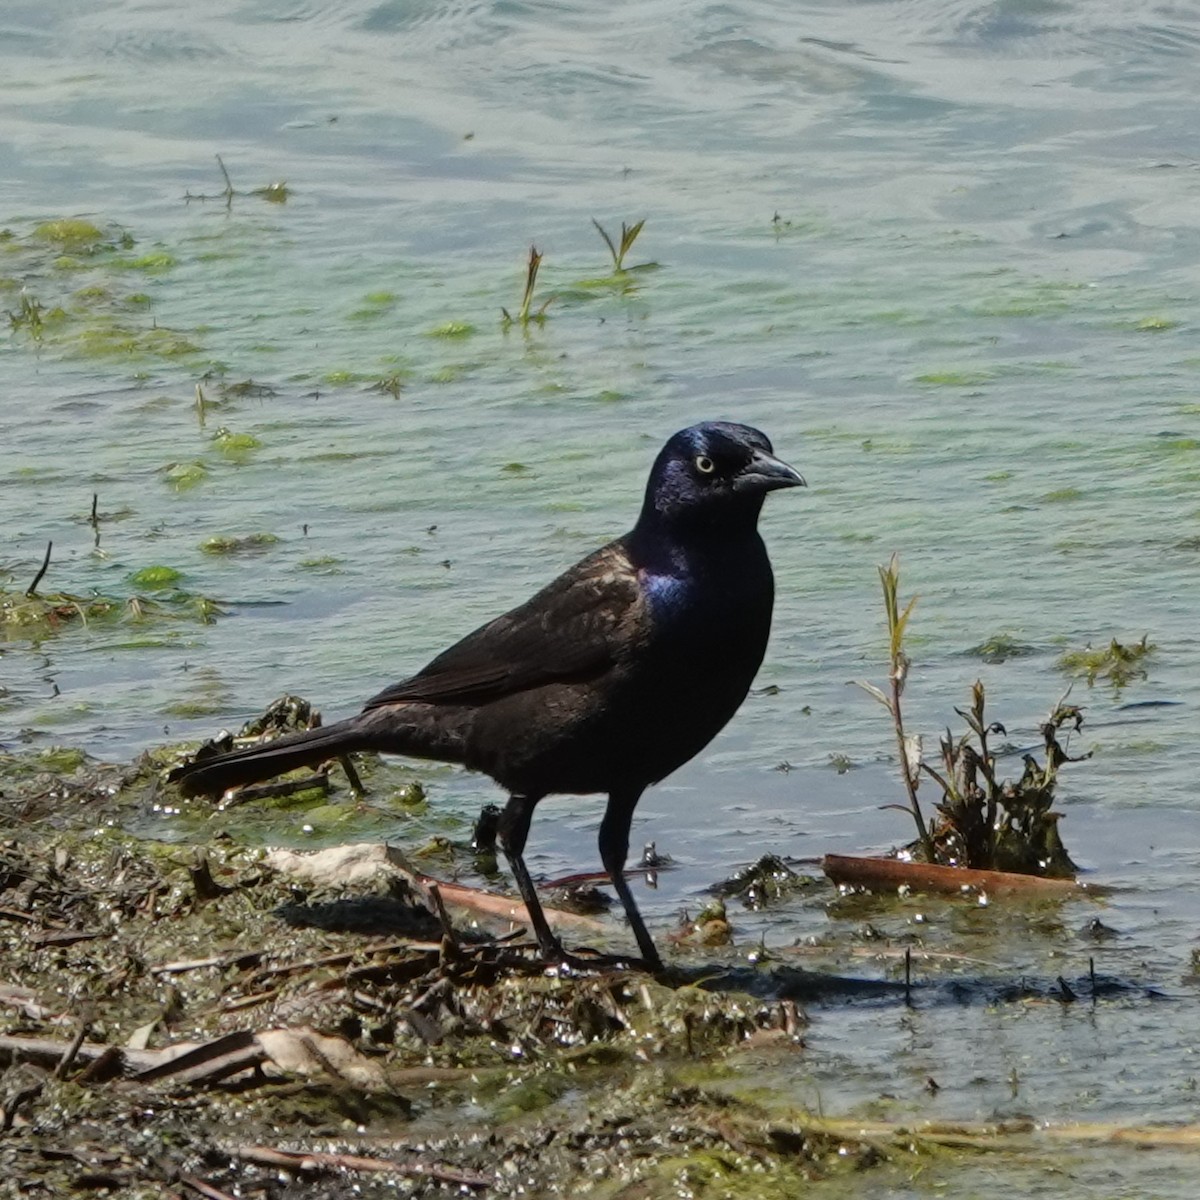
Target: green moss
[{"x": 1066, "y": 495}]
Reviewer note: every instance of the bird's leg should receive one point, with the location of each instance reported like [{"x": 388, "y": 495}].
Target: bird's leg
[
  {"x": 513, "y": 832},
  {"x": 614, "y": 849}
]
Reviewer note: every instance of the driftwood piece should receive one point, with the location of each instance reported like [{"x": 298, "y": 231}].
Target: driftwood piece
[
  {"x": 508, "y": 908},
  {"x": 888, "y": 874}
]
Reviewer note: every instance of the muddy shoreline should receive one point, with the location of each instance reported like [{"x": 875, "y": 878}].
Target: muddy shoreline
[{"x": 188, "y": 1018}]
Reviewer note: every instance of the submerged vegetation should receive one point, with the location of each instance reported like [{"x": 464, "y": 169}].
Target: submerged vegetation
[
  {"x": 1115, "y": 664},
  {"x": 273, "y": 193},
  {"x": 103, "y": 318},
  {"x": 32, "y": 615}
]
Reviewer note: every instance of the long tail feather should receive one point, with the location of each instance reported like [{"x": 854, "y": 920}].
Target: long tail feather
[{"x": 213, "y": 776}]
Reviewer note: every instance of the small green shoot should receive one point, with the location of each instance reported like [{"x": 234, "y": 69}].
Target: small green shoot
[
  {"x": 629, "y": 235},
  {"x": 392, "y": 385},
  {"x": 526, "y": 312},
  {"x": 898, "y": 664}
]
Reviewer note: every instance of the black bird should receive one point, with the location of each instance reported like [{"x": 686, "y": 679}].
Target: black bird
[{"x": 606, "y": 680}]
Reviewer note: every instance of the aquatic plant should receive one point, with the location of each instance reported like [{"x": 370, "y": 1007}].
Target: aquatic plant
[
  {"x": 629, "y": 235},
  {"x": 526, "y": 313},
  {"x": 898, "y": 664},
  {"x": 1116, "y": 663},
  {"x": 272, "y": 193},
  {"x": 981, "y": 821}
]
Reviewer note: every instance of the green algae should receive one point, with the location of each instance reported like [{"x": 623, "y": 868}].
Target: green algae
[
  {"x": 952, "y": 378},
  {"x": 153, "y": 579},
  {"x": 35, "y": 617},
  {"x": 1064, "y": 495},
  {"x": 1118, "y": 664},
  {"x": 453, "y": 330},
  {"x": 182, "y": 477},
  {"x": 104, "y": 319},
  {"x": 235, "y": 446},
  {"x": 71, "y": 233},
  {"x": 251, "y": 543}
]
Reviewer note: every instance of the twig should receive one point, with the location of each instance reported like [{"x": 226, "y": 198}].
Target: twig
[
  {"x": 94, "y": 519},
  {"x": 204, "y": 1189},
  {"x": 72, "y": 1051},
  {"x": 229, "y": 193},
  {"x": 8, "y": 1114},
  {"x": 439, "y": 906},
  {"x": 245, "y": 957},
  {"x": 315, "y": 1160},
  {"x": 32, "y": 589},
  {"x": 505, "y": 907},
  {"x": 356, "y": 785},
  {"x": 228, "y": 1055},
  {"x": 48, "y": 1052}
]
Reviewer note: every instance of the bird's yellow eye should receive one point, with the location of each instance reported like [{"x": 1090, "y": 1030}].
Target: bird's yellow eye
[{"x": 705, "y": 465}]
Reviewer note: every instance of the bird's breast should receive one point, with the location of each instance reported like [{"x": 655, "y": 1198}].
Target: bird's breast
[{"x": 698, "y": 619}]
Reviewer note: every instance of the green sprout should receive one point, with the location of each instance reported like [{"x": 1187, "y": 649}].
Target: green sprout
[{"x": 526, "y": 312}]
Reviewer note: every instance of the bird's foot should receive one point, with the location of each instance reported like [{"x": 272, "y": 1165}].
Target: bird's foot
[{"x": 588, "y": 959}]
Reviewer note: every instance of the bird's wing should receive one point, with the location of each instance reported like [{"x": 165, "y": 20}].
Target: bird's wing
[{"x": 571, "y": 630}]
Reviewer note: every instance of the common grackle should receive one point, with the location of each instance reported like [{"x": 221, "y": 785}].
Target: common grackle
[{"x": 606, "y": 680}]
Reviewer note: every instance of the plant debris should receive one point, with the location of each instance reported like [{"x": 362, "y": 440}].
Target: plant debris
[
  {"x": 1116, "y": 664},
  {"x": 981, "y": 821}
]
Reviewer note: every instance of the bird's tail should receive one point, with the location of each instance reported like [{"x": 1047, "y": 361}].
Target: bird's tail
[{"x": 213, "y": 776}]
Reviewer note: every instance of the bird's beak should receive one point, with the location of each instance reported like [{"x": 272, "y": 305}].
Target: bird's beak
[{"x": 765, "y": 473}]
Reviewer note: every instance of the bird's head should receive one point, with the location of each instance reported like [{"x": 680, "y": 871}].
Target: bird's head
[{"x": 712, "y": 475}]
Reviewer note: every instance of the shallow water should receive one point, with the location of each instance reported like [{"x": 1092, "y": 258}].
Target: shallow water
[{"x": 945, "y": 254}]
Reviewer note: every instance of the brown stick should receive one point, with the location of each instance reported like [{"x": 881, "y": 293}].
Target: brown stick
[
  {"x": 72, "y": 1051},
  {"x": 888, "y": 874},
  {"x": 510, "y": 909},
  {"x": 316, "y": 1160},
  {"x": 204, "y": 1189}
]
